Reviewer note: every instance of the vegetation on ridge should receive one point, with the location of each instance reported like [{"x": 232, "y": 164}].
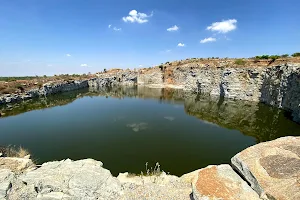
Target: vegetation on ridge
[
  {"x": 296, "y": 54},
  {"x": 239, "y": 62}
]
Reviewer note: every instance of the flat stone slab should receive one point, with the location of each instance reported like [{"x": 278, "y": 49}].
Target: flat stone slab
[
  {"x": 67, "y": 179},
  {"x": 272, "y": 168},
  {"x": 221, "y": 182}
]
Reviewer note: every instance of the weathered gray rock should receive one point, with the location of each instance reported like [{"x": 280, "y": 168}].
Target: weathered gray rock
[
  {"x": 112, "y": 79},
  {"x": 154, "y": 187},
  {"x": 6, "y": 178},
  {"x": 83, "y": 179},
  {"x": 275, "y": 85},
  {"x": 272, "y": 168},
  {"x": 150, "y": 77},
  {"x": 45, "y": 90},
  {"x": 221, "y": 182}
]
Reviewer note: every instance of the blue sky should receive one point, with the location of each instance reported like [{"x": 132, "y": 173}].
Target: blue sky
[{"x": 49, "y": 37}]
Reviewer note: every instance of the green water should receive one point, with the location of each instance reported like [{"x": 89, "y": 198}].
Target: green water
[{"x": 127, "y": 127}]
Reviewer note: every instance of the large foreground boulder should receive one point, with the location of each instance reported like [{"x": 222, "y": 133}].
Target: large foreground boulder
[
  {"x": 67, "y": 179},
  {"x": 272, "y": 168},
  {"x": 221, "y": 182}
]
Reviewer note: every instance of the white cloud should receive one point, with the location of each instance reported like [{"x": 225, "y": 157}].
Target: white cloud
[
  {"x": 109, "y": 26},
  {"x": 84, "y": 65},
  {"x": 135, "y": 16},
  {"x": 168, "y": 50},
  {"x": 173, "y": 28},
  {"x": 117, "y": 29},
  {"x": 68, "y": 55},
  {"x": 181, "y": 44},
  {"x": 223, "y": 26},
  {"x": 49, "y": 65},
  {"x": 210, "y": 39}
]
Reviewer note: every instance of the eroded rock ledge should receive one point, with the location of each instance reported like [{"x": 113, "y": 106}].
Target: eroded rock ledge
[
  {"x": 270, "y": 170},
  {"x": 277, "y": 85}
]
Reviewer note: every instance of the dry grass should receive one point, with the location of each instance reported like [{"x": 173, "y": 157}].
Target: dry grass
[{"x": 12, "y": 151}]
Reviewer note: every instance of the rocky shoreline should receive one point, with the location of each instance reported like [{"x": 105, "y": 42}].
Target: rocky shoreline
[
  {"x": 277, "y": 85},
  {"x": 269, "y": 170}
]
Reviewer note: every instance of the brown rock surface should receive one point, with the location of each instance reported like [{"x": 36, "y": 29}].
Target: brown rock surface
[
  {"x": 272, "y": 168},
  {"x": 221, "y": 182}
]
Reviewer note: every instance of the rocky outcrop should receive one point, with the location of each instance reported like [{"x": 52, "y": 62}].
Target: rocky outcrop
[
  {"x": 281, "y": 88},
  {"x": 221, "y": 182},
  {"x": 45, "y": 90},
  {"x": 120, "y": 77},
  {"x": 277, "y": 85},
  {"x": 83, "y": 179},
  {"x": 6, "y": 178},
  {"x": 272, "y": 168},
  {"x": 151, "y": 77},
  {"x": 161, "y": 186}
]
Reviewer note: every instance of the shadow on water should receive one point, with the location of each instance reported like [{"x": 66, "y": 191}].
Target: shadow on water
[{"x": 127, "y": 127}]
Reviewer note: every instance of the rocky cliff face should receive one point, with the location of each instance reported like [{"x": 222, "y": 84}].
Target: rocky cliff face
[
  {"x": 276, "y": 85},
  {"x": 281, "y": 88},
  {"x": 119, "y": 77},
  {"x": 45, "y": 90}
]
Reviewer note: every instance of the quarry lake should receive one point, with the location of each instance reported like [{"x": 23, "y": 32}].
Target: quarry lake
[{"x": 127, "y": 127}]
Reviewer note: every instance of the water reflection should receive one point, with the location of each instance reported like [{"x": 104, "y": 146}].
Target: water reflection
[{"x": 250, "y": 118}]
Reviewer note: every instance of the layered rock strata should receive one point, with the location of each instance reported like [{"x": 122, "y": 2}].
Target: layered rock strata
[{"x": 277, "y": 85}]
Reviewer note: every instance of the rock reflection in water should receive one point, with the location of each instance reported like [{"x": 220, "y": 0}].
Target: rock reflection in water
[{"x": 250, "y": 118}]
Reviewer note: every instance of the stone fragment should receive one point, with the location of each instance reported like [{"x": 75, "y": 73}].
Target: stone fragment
[
  {"x": 272, "y": 168},
  {"x": 221, "y": 182}
]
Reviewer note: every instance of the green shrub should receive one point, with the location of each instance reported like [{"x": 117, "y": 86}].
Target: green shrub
[
  {"x": 239, "y": 62},
  {"x": 274, "y": 57},
  {"x": 296, "y": 54},
  {"x": 262, "y": 57},
  {"x": 285, "y": 55}
]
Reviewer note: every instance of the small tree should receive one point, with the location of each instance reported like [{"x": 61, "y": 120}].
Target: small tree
[
  {"x": 296, "y": 54},
  {"x": 274, "y": 57},
  {"x": 104, "y": 70},
  {"x": 285, "y": 55}
]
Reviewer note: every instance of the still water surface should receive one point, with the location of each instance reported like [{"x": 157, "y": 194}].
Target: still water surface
[{"x": 127, "y": 127}]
